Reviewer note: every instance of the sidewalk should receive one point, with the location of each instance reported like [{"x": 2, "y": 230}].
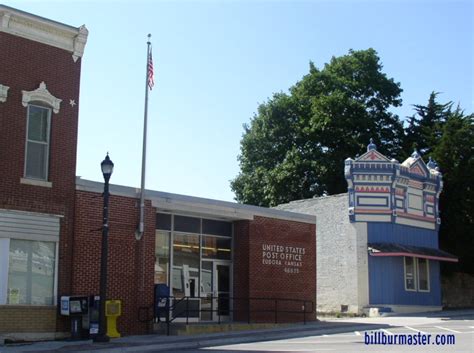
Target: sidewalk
[{"x": 153, "y": 343}]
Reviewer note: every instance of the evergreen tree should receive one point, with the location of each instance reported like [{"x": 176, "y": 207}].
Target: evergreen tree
[
  {"x": 425, "y": 126},
  {"x": 454, "y": 152},
  {"x": 447, "y": 136}
]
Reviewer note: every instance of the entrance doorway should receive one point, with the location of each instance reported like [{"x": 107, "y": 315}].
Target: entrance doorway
[{"x": 215, "y": 290}]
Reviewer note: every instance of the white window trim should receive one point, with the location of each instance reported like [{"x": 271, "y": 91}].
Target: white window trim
[
  {"x": 4, "y": 265},
  {"x": 415, "y": 277},
  {"x": 36, "y": 182},
  {"x": 56, "y": 267},
  {"x": 41, "y": 94},
  {"x": 4, "y": 268},
  {"x": 7, "y": 233},
  {"x": 48, "y": 144},
  {"x": 3, "y": 93},
  {"x": 428, "y": 276}
]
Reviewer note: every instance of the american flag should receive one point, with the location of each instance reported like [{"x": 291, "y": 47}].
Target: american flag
[{"x": 151, "y": 81}]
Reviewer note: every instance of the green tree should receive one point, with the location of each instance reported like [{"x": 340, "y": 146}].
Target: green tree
[
  {"x": 425, "y": 127},
  {"x": 447, "y": 136},
  {"x": 295, "y": 146},
  {"x": 454, "y": 152}
]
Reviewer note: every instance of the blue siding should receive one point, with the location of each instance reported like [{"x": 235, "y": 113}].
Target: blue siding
[
  {"x": 379, "y": 232},
  {"x": 386, "y": 283}
]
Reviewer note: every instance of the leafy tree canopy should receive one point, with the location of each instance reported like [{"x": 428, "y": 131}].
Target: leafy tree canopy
[
  {"x": 447, "y": 136},
  {"x": 294, "y": 147}
]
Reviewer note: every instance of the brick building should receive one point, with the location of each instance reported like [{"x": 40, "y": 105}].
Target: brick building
[
  {"x": 205, "y": 250},
  {"x": 39, "y": 78}
]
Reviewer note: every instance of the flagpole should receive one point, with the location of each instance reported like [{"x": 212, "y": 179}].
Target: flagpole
[{"x": 141, "y": 226}]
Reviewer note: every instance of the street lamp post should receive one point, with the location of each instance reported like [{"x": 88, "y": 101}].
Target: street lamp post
[{"x": 107, "y": 168}]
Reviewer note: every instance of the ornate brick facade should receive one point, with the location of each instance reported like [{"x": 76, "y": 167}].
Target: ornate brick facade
[{"x": 25, "y": 64}]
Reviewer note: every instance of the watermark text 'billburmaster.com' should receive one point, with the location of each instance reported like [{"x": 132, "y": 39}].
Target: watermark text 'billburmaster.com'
[{"x": 417, "y": 339}]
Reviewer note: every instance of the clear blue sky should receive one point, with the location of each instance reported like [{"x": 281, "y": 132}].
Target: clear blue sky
[{"x": 215, "y": 61}]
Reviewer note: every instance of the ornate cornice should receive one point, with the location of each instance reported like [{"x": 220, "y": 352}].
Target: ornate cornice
[
  {"x": 3, "y": 93},
  {"x": 41, "y": 94},
  {"x": 39, "y": 29}
]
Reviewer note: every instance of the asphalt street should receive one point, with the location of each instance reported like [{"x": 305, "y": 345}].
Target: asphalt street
[
  {"x": 457, "y": 334},
  {"x": 454, "y": 329}
]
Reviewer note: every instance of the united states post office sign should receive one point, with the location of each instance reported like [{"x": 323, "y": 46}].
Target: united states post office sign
[{"x": 289, "y": 258}]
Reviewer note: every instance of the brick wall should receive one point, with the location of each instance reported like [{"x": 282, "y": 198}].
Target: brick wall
[
  {"x": 24, "y": 65},
  {"x": 241, "y": 269},
  {"x": 272, "y": 281},
  {"x": 27, "y": 319},
  {"x": 131, "y": 262}
]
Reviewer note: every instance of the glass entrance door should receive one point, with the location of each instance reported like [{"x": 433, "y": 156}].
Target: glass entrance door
[
  {"x": 222, "y": 288},
  {"x": 215, "y": 289}
]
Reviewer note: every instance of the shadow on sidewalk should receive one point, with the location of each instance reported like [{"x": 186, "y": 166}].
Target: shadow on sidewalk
[{"x": 166, "y": 343}]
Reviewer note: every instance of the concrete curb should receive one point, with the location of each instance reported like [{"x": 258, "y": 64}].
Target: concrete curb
[
  {"x": 165, "y": 343},
  {"x": 218, "y": 340}
]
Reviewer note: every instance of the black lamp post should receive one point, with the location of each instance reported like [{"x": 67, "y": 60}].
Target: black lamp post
[{"x": 107, "y": 168}]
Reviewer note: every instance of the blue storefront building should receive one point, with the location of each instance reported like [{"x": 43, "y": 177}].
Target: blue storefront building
[{"x": 377, "y": 244}]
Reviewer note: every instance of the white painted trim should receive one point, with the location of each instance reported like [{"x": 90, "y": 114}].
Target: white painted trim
[
  {"x": 427, "y": 273},
  {"x": 36, "y": 182},
  {"x": 29, "y": 226},
  {"x": 3, "y": 93},
  {"x": 48, "y": 134},
  {"x": 4, "y": 263},
  {"x": 41, "y": 94},
  {"x": 43, "y": 30},
  {"x": 415, "y": 274},
  {"x": 415, "y": 223},
  {"x": 56, "y": 267},
  {"x": 32, "y": 237},
  {"x": 32, "y": 213},
  {"x": 372, "y": 218}
]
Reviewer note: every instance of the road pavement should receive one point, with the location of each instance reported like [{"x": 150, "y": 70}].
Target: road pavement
[
  {"x": 338, "y": 335},
  {"x": 431, "y": 336}
]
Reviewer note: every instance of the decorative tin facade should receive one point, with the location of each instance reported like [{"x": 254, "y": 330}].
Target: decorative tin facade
[
  {"x": 377, "y": 244},
  {"x": 384, "y": 190}
]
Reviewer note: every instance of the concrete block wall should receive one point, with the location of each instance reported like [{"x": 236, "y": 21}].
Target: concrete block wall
[{"x": 341, "y": 254}]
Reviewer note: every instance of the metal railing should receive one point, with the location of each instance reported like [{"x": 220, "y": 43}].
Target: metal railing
[{"x": 241, "y": 309}]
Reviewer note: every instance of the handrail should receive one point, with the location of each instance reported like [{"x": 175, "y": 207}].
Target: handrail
[
  {"x": 148, "y": 318},
  {"x": 173, "y": 303}
]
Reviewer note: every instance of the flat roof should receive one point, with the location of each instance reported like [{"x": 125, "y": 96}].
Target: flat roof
[{"x": 198, "y": 206}]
